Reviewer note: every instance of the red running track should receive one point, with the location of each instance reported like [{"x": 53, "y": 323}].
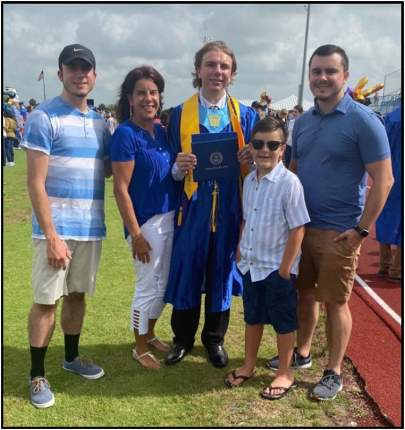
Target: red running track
[{"x": 375, "y": 346}]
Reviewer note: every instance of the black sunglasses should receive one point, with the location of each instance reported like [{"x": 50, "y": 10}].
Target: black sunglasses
[{"x": 271, "y": 144}]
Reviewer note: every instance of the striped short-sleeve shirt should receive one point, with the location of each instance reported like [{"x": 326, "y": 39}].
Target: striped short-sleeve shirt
[
  {"x": 271, "y": 207},
  {"x": 77, "y": 145}
]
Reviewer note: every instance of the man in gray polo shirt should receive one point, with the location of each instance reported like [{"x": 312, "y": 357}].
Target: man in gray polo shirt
[{"x": 335, "y": 145}]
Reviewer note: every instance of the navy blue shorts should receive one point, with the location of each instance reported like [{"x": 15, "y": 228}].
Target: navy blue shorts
[{"x": 271, "y": 301}]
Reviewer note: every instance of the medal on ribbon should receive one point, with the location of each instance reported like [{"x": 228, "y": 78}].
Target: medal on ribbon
[{"x": 214, "y": 119}]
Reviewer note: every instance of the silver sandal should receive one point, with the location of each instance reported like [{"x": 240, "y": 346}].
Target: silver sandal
[{"x": 145, "y": 354}]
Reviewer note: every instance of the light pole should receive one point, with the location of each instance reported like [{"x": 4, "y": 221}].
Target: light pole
[
  {"x": 301, "y": 86},
  {"x": 43, "y": 82}
]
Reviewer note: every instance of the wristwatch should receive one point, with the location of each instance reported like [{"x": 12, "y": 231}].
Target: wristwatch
[{"x": 362, "y": 231}]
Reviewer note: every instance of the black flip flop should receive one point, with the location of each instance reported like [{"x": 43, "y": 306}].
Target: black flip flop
[
  {"x": 284, "y": 391},
  {"x": 235, "y": 376}
]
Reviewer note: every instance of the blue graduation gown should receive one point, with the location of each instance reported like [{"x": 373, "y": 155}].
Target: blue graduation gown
[
  {"x": 201, "y": 260},
  {"x": 389, "y": 223}
]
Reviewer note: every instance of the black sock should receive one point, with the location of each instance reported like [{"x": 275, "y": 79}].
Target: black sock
[
  {"x": 71, "y": 346},
  {"x": 37, "y": 361}
]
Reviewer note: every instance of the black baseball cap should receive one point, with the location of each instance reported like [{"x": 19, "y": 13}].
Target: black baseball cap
[{"x": 71, "y": 52}]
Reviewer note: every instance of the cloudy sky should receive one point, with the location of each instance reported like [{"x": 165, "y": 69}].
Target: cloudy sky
[{"x": 267, "y": 39}]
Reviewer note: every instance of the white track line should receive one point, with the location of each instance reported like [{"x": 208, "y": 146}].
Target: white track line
[{"x": 379, "y": 300}]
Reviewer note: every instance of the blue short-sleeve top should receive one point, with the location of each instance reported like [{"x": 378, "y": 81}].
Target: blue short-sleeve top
[{"x": 152, "y": 189}]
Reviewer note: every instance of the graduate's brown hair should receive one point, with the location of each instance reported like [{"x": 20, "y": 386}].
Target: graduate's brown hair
[{"x": 217, "y": 45}]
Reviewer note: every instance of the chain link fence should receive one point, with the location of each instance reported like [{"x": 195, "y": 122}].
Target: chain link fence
[{"x": 392, "y": 93}]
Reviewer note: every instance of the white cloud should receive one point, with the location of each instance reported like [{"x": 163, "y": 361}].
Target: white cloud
[{"x": 267, "y": 39}]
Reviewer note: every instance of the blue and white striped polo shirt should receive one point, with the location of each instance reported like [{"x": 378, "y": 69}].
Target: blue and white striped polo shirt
[
  {"x": 77, "y": 145},
  {"x": 271, "y": 207}
]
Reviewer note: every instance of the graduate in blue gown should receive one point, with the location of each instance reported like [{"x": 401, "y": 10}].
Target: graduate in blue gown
[
  {"x": 209, "y": 214},
  {"x": 389, "y": 223}
]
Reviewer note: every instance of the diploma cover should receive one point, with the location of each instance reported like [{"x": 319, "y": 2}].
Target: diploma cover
[{"x": 217, "y": 155}]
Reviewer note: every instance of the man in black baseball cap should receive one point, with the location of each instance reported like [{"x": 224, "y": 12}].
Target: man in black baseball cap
[
  {"x": 55, "y": 151},
  {"x": 76, "y": 51}
]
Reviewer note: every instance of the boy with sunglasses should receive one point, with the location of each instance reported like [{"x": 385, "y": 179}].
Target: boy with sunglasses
[{"x": 274, "y": 214}]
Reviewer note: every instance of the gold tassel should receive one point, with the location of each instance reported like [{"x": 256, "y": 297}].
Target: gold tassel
[
  {"x": 180, "y": 216},
  {"x": 215, "y": 193}
]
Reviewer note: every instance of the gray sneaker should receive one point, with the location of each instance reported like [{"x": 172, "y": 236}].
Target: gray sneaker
[
  {"x": 83, "y": 367},
  {"x": 328, "y": 387},
  {"x": 40, "y": 394},
  {"x": 298, "y": 361}
]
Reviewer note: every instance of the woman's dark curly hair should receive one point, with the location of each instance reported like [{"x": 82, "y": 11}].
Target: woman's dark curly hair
[{"x": 127, "y": 88}]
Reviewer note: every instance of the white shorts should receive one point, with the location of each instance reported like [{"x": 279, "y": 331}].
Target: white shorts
[
  {"x": 50, "y": 284},
  {"x": 151, "y": 278}
]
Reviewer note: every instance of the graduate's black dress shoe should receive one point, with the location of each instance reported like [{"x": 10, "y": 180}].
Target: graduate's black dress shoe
[
  {"x": 176, "y": 354},
  {"x": 217, "y": 355}
]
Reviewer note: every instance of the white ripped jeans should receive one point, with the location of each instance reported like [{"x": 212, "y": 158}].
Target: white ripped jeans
[{"x": 151, "y": 278}]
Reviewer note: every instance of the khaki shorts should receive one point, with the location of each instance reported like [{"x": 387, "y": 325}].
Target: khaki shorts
[
  {"x": 327, "y": 267},
  {"x": 50, "y": 284}
]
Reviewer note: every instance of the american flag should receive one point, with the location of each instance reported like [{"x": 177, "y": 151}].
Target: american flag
[{"x": 41, "y": 75}]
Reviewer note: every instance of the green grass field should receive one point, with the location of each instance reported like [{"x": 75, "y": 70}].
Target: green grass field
[{"x": 190, "y": 394}]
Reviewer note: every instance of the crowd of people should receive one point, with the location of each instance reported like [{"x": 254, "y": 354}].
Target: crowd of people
[
  {"x": 15, "y": 116},
  {"x": 286, "y": 240}
]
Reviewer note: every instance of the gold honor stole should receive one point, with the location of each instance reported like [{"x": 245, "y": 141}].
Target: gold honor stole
[{"x": 190, "y": 124}]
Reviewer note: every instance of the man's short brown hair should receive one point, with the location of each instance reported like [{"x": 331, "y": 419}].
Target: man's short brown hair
[{"x": 326, "y": 50}]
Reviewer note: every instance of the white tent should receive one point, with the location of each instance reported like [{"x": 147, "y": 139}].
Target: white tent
[
  {"x": 289, "y": 102},
  {"x": 246, "y": 102},
  {"x": 286, "y": 103}
]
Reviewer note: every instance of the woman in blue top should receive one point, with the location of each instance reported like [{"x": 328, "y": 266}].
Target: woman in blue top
[{"x": 146, "y": 197}]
